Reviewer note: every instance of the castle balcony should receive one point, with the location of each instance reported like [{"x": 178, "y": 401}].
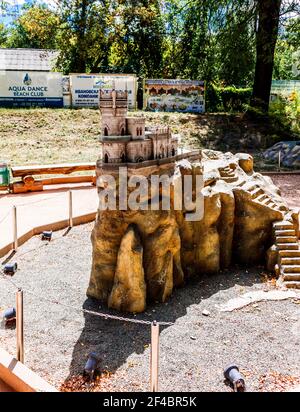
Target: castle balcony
[
  {"x": 115, "y": 139},
  {"x": 109, "y": 104}
]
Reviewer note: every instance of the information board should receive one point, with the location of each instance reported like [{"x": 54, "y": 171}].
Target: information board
[
  {"x": 174, "y": 95},
  {"x": 29, "y": 89}
]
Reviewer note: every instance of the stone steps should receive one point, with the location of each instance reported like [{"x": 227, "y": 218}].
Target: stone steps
[
  {"x": 283, "y": 225},
  {"x": 290, "y": 260},
  {"x": 287, "y": 243},
  {"x": 290, "y": 269},
  {"x": 286, "y": 239},
  {"x": 290, "y": 232},
  {"x": 230, "y": 179},
  {"x": 256, "y": 192},
  {"x": 289, "y": 253},
  {"x": 292, "y": 284},
  {"x": 261, "y": 197},
  {"x": 294, "y": 277},
  {"x": 241, "y": 184},
  {"x": 287, "y": 246}
]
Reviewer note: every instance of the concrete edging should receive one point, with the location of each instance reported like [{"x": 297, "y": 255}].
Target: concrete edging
[{"x": 55, "y": 226}]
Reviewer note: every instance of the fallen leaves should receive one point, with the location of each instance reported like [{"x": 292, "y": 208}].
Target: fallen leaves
[
  {"x": 80, "y": 383},
  {"x": 277, "y": 382}
]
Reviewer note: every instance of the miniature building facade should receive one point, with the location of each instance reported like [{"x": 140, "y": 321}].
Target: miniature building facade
[{"x": 127, "y": 139}]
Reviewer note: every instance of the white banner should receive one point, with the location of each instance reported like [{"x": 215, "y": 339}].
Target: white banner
[
  {"x": 85, "y": 88},
  {"x": 27, "y": 89}
]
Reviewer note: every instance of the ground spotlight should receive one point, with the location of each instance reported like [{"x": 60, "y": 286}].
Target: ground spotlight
[
  {"x": 91, "y": 365},
  {"x": 10, "y": 268},
  {"x": 233, "y": 375},
  {"x": 9, "y": 316},
  {"x": 47, "y": 235}
]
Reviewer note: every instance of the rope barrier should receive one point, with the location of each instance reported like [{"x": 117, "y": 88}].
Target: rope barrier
[
  {"x": 42, "y": 200},
  {"x": 102, "y": 315}
]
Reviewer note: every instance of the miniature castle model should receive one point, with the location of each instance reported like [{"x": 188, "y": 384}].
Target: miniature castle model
[{"x": 126, "y": 139}]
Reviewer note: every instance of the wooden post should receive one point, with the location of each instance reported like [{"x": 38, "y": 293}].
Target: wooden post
[
  {"x": 20, "y": 326},
  {"x": 154, "y": 357},
  {"x": 279, "y": 159},
  {"x": 70, "y": 208},
  {"x": 15, "y": 228}
]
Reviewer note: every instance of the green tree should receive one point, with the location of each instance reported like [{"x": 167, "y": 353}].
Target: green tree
[
  {"x": 84, "y": 35},
  {"x": 288, "y": 46},
  {"x": 3, "y": 35},
  {"x": 37, "y": 27},
  {"x": 138, "y": 39}
]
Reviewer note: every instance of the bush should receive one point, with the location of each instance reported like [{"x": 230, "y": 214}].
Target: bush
[
  {"x": 226, "y": 99},
  {"x": 286, "y": 110}
]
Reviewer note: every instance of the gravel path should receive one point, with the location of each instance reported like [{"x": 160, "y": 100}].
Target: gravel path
[{"x": 262, "y": 338}]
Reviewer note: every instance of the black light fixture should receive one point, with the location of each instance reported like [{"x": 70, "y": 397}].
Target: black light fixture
[
  {"x": 10, "y": 268},
  {"x": 47, "y": 235},
  {"x": 9, "y": 315},
  {"x": 232, "y": 374},
  {"x": 91, "y": 365}
]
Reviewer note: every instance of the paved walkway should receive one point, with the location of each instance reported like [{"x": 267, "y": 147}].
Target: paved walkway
[{"x": 44, "y": 210}]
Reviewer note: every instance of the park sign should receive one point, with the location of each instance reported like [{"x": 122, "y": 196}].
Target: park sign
[
  {"x": 85, "y": 88},
  {"x": 30, "y": 89},
  {"x": 174, "y": 95}
]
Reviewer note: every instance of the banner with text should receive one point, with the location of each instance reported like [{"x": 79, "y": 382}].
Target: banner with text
[
  {"x": 174, "y": 95},
  {"x": 30, "y": 89},
  {"x": 85, "y": 88}
]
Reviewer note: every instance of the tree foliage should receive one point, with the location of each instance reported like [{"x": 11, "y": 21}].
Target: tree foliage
[{"x": 215, "y": 40}]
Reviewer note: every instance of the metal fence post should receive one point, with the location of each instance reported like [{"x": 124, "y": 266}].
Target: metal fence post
[
  {"x": 15, "y": 228},
  {"x": 70, "y": 208},
  {"x": 154, "y": 357},
  {"x": 20, "y": 326}
]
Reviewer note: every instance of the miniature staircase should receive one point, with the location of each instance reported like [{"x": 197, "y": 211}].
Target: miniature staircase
[
  {"x": 228, "y": 175},
  {"x": 259, "y": 196},
  {"x": 287, "y": 243}
]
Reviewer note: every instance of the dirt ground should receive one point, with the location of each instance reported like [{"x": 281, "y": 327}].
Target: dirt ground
[
  {"x": 290, "y": 188},
  {"x": 44, "y": 136},
  {"x": 262, "y": 338}
]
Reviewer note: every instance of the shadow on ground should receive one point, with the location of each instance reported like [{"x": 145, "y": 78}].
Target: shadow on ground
[{"x": 114, "y": 341}]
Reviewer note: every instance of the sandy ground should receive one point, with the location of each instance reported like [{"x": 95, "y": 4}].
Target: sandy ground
[
  {"x": 290, "y": 188},
  {"x": 263, "y": 338}
]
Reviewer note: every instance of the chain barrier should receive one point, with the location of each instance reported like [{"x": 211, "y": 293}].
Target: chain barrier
[{"x": 102, "y": 315}]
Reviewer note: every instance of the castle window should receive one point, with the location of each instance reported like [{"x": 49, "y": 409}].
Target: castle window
[
  {"x": 141, "y": 131},
  {"x": 173, "y": 151},
  {"x": 122, "y": 131},
  {"x": 123, "y": 158},
  {"x": 106, "y": 158},
  {"x": 105, "y": 131},
  {"x": 137, "y": 131}
]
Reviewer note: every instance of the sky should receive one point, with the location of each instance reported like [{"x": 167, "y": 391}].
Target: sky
[{"x": 14, "y": 6}]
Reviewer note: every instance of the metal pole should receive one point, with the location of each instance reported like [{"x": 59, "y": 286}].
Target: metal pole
[
  {"x": 20, "y": 326},
  {"x": 70, "y": 208},
  {"x": 279, "y": 159},
  {"x": 154, "y": 357},
  {"x": 15, "y": 228}
]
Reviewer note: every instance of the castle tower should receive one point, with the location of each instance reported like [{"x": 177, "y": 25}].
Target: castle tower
[{"x": 113, "y": 108}]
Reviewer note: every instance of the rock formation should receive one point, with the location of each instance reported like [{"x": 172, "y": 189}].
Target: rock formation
[{"x": 142, "y": 255}]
